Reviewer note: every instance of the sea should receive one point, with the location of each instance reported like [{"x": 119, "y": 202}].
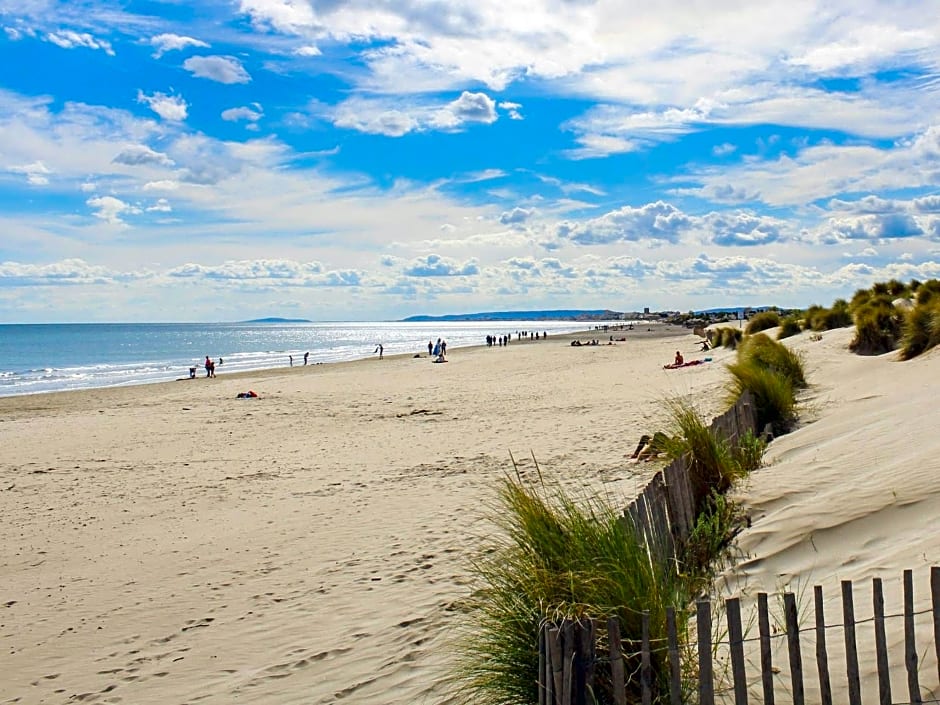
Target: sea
[{"x": 37, "y": 358}]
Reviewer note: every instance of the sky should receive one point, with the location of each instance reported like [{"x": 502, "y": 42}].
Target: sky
[{"x": 371, "y": 160}]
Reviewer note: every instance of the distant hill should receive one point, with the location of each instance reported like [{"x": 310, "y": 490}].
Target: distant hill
[
  {"x": 550, "y": 315},
  {"x": 274, "y": 319}
]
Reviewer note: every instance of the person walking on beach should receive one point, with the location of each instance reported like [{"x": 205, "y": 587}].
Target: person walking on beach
[
  {"x": 210, "y": 367},
  {"x": 380, "y": 350},
  {"x": 430, "y": 347},
  {"x": 306, "y": 355},
  {"x": 291, "y": 358}
]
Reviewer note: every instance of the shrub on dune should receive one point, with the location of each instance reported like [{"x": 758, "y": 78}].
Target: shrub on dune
[
  {"x": 774, "y": 395},
  {"x": 920, "y": 330},
  {"x": 789, "y": 326},
  {"x": 762, "y": 321},
  {"x": 554, "y": 556},
  {"x": 877, "y": 326},
  {"x": 763, "y": 351}
]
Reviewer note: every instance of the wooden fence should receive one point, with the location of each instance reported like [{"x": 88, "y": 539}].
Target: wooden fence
[
  {"x": 665, "y": 510},
  {"x": 586, "y": 662}
]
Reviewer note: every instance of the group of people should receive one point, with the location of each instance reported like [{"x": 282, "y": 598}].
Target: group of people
[
  {"x": 291, "y": 358},
  {"x": 501, "y": 340},
  {"x": 437, "y": 350}
]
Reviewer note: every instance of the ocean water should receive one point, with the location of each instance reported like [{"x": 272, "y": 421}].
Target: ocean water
[{"x": 37, "y": 358}]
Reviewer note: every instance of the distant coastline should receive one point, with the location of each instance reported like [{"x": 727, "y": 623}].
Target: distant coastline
[
  {"x": 275, "y": 319},
  {"x": 547, "y": 315}
]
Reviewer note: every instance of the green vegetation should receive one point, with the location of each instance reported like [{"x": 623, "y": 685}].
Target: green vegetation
[
  {"x": 772, "y": 373},
  {"x": 725, "y": 337},
  {"x": 789, "y": 326},
  {"x": 877, "y": 324},
  {"x": 920, "y": 329},
  {"x": 555, "y": 556},
  {"x": 818, "y": 318},
  {"x": 762, "y": 321}
]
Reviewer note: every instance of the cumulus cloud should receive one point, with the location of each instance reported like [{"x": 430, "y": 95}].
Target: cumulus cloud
[
  {"x": 516, "y": 216},
  {"x": 657, "y": 221},
  {"x": 307, "y": 50},
  {"x": 173, "y": 42},
  {"x": 241, "y": 270},
  {"x": 874, "y": 227},
  {"x": 223, "y": 69},
  {"x": 251, "y": 113},
  {"x": 468, "y": 108},
  {"x": 67, "y": 39},
  {"x": 36, "y": 173},
  {"x": 161, "y": 206},
  {"x": 140, "y": 154},
  {"x": 743, "y": 229},
  {"x": 514, "y": 109},
  {"x": 169, "y": 107},
  {"x": 437, "y": 266},
  {"x": 724, "y": 149},
  {"x": 64, "y": 272},
  {"x": 395, "y": 117},
  {"x": 111, "y": 209},
  {"x": 161, "y": 185}
]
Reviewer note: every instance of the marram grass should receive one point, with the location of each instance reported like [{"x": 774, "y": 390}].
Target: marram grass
[{"x": 553, "y": 555}]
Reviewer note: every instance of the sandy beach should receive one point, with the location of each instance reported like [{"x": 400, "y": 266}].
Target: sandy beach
[
  {"x": 174, "y": 544},
  {"x": 171, "y": 543}
]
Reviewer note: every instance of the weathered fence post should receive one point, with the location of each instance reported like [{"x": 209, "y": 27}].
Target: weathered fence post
[
  {"x": 766, "y": 659},
  {"x": 851, "y": 649},
  {"x": 736, "y": 644},
  {"x": 556, "y": 651},
  {"x": 910, "y": 648},
  {"x": 881, "y": 643},
  {"x": 935, "y": 601},
  {"x": 822, "y": 656},
  {"x": 793, "y": 642},
  {"x": 675, "y": 669},
  {"x": 645, "y": 670},
  {"x": 567, "y": 678},
  {"x": 616, "y": 662},
  {"x": 703, "y": 623}
]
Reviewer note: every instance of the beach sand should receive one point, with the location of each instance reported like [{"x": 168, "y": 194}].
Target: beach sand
[{"x": 171, "y": 543}]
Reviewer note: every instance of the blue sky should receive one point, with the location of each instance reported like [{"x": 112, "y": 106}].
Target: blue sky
[{"x": 356, "y": 160}]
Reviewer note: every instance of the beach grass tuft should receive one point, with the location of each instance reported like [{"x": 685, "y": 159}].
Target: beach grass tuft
[
  {"x": 772, "y": 373},
  {"x": 762, "y": 321},
  {"x": 790, "y": 326},
  {"x": 554, "y": 555}
]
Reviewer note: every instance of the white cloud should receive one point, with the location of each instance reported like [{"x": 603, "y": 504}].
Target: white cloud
[
  {"x": 514, "y": 109},
  {"x": 655, "y": 222},
  {"x": 67, "y": 39},
  {"x": 251, "y": 113},
  {"x": 169, "y": 107},
  {"x": 141, "y": 154},
  {"x": 161, "y": 185},
  {"x": 173, "y": 42},
  {"x": 223, "y": 69},
  {"x": 307, "y": 50},
  {"x": 468, "y": 108},
  {"x": 110, "y": 209},
  {"x": 723, "y": 149},
  {"x": 160, "y": 206},
  {"x": 36, "y": 173}
]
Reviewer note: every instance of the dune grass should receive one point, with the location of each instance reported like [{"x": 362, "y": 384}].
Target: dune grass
[
  {"x": 762, "y": 321},
  {"x": 789, "y": 326},
  {"x": 554, "y": 555},
  {"x": 877, "y": 325},
  {"x": 772, "y": 373},
  {"x": 920, "y": 329}
]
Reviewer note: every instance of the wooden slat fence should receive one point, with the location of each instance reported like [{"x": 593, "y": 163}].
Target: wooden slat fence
[
  {"x": 664, "y": 512},
  {"x": 582, "y": 662}
]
